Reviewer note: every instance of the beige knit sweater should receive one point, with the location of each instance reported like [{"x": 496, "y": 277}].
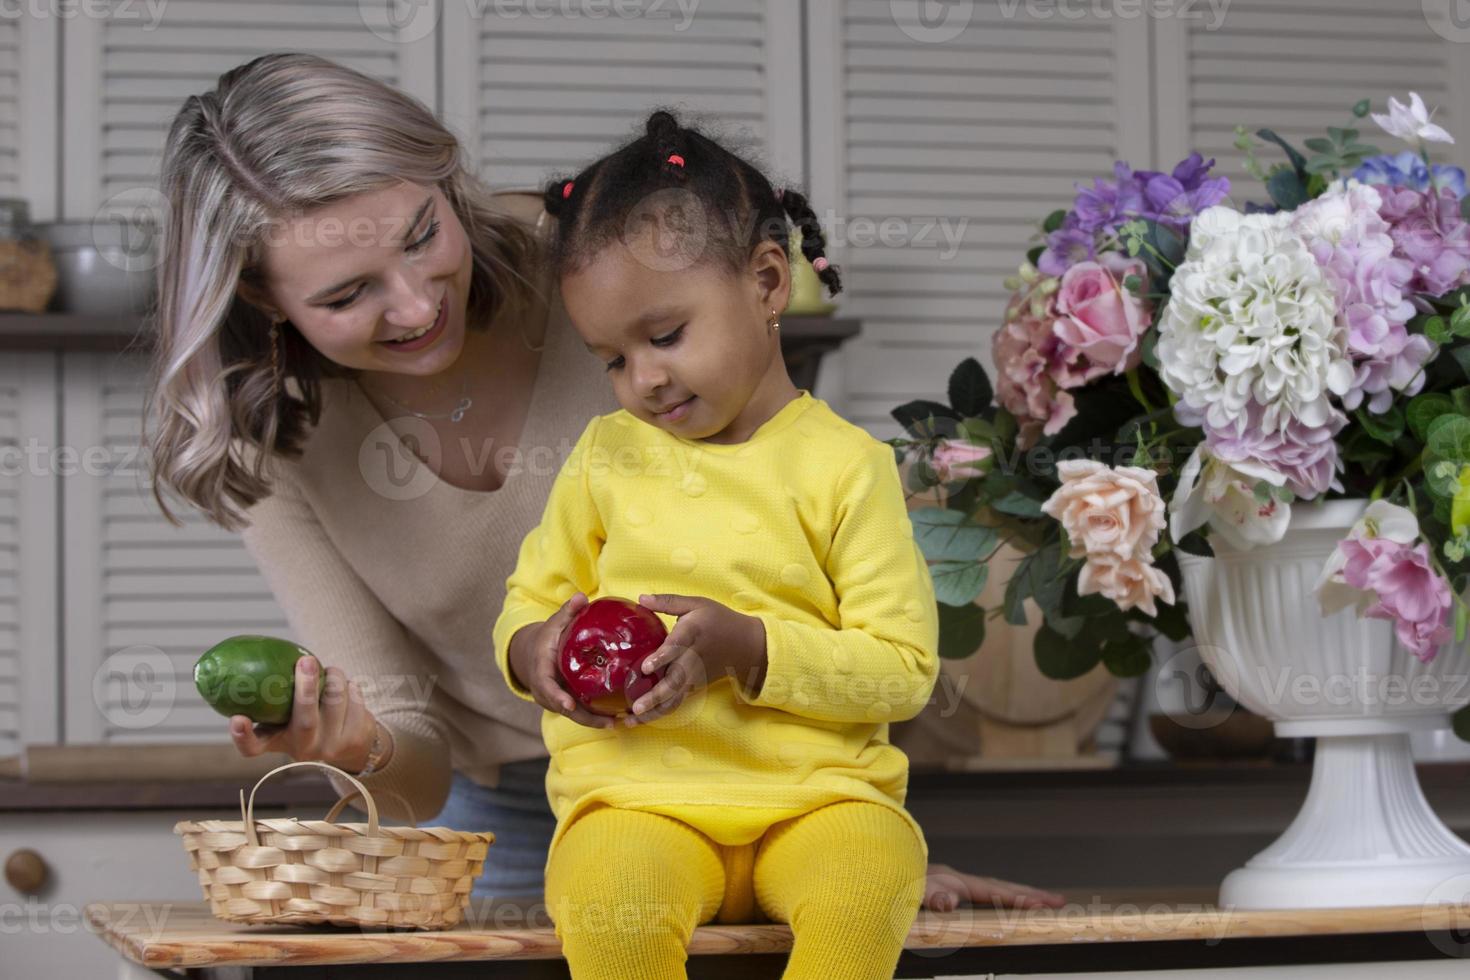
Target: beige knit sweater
[{"x": 397, "y": 577}]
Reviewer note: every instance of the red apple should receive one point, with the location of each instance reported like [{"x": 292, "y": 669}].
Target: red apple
[{"x": 603, "y": 651}]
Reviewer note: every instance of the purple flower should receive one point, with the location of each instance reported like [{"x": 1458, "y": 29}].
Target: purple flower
[
  {"x": 1407, "y": 169},
  {"x": 1174, "y": 199},
  {"x": 1306, "y": 455},
  {"x": 1429, "y": 232},
  {"x": 1107, "y": 204}
]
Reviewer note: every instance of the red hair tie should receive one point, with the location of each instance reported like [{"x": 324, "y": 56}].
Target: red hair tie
[
  {"x": 676, "y": 160},
  {"x": 566, "y": 190}
]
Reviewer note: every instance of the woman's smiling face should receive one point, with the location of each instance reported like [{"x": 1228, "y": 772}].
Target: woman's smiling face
[
  {"x": 693, "y": 340},
  {"x": 354, "y": 275}
]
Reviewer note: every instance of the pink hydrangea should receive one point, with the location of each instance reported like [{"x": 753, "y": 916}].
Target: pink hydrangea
[
  {"x": 1306, "y": 455},
  {"x": 1352, "y": 243},
  {"x": 1407, "y": 589},
  {"x": 1430, "y": 233},
  {"x": 1034, "y": 367}
]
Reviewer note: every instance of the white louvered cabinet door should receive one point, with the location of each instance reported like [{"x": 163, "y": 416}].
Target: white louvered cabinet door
[
  {"x": 143, "y": 599},
  {"x": 536, "y": 88},
  {"x": 130, "y": 72},
  {"x": 941, "y": 135},
  {"x": 29, "y": 72},
  {"x": 29, "y": 695}
]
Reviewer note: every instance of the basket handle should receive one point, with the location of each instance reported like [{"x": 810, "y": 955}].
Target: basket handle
[
  {"x": 340, "y": 804},
  {"x": 247, "y": 810}
]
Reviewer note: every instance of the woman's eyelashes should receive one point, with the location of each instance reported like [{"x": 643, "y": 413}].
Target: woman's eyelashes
[
  {"x": 667, "y": 340},
  {"x": 413, "y": 248}
]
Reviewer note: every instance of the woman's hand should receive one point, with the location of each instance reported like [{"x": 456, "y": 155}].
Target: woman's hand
[
  {"x": 945, "y": 888},
  {"x": 535, "y": 659},
  {"x": 338, "y": 730},
  {"x": 709, "y": 641}
]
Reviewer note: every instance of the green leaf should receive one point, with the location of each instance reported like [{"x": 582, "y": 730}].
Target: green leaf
[
  {"x": 1128, "y": 657},
  {"x": 1054, "y": 221},
  {"x": 1461, "y": 723},
  {"x": 1324, "y": 163},
  {"x": 1424, "y": 409},
  {"x": 969, "y": 388},
  {"x": 1462, "y": 354},
  {"x": 1460, "y": 321},
  {"x": 1361, "y": 107},
  {"x": 958, "y": 583},
  {"x": 1297, "y": 162},
  {"x": 1448, "y": 438},
  {"x": 918, "y": 416},
  {"x": 1319, "y": 145},
  {"x": 1386, "y": 428},
  {"x": 1461, "y": 398},
  {"x": 1018, "y": 505},
  {"x": 1034, "y": 255},
  {"x": 1437, "y": 330},
  {"x": 951, "y": 535},
  {"x": 1286, "y": 189},
  {"x": 1062, "y": 659},
  {"x": 961, "y": 630},
  {"x": 1171, "y": 621}
]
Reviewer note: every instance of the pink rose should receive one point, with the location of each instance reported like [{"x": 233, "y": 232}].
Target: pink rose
[
  {"x": 1101, "y": 319},
  {"x": 1128, "y": 583},
  {"x": 1117, "y": 513},
  {"x": 956, "y": 459}
]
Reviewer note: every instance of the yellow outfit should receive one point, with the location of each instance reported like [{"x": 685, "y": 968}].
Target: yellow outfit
[{"x": 803, "y": 526}]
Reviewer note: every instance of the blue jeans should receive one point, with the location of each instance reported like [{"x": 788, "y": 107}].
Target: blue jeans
[{"x": 519, "y": 816}]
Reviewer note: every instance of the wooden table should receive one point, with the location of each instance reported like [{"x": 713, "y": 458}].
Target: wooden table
[{"x": 1098, "y": 930}]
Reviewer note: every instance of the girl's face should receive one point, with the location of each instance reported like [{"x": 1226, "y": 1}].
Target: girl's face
[
  {"x": 688, "y": 350},
  {"x": 359, "y": 274}
]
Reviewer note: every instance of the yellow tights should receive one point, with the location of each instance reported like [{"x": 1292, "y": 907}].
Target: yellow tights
[{"x": 625, "y": 889}]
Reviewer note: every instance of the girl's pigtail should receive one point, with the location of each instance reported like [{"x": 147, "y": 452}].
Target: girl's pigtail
[
  {"x": 554, "y": 197},
  {"x": 813, "y": 240},
  {"x": 669, "y": 144}
]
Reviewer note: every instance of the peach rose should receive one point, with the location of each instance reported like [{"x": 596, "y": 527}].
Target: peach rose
[
  {"x": 1128, "y": 583},
  {"x": 1117, "y": 513}
]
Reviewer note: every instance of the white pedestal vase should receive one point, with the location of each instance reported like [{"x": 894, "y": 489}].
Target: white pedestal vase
[{"x": 1365, "y": 835}]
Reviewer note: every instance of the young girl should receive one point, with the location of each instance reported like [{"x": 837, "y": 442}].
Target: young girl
[{"x": 756, "y": 779}]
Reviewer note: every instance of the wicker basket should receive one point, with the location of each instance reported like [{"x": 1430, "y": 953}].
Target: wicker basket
[{"x": 307, "y": 872}]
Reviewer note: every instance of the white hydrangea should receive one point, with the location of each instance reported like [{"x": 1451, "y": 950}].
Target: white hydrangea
[{"x": 1251, "y": 315}]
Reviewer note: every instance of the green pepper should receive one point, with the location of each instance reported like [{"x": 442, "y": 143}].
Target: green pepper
[{"x": 253, "y": 676}]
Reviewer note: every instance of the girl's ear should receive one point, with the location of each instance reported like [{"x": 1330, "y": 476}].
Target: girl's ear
[{"x": 772, "y": 271}]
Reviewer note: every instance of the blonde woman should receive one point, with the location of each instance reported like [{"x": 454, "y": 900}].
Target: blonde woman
[{"x": 362, "y": 366}]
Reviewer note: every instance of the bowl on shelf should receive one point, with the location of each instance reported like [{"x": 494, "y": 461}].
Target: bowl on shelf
[{"x": 102, "y": 266}]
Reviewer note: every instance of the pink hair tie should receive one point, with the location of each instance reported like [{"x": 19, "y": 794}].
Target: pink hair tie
[
  {"x": 566, "y": 190},
  {"x": 778, "y": 193},
  {"x": 819, "y": 263},
  {"x": 675, "y": 159}
]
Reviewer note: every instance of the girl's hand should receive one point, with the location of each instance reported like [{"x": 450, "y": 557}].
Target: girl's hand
[
  {"x": 338, "y": 731},
  {"x": 709, "y": 641},
  {"x": 535, "y": 658},
  {"x": 945, "y": 888}
]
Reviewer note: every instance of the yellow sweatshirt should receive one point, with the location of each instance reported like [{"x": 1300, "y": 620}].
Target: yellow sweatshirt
[{"x": 804, "y": 526}]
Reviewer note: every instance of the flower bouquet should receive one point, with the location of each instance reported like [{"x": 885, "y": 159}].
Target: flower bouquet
[{"x": 1293, "y": 378}]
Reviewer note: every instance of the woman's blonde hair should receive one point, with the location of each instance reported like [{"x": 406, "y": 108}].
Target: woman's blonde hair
[{"x": 276, "y": 137}]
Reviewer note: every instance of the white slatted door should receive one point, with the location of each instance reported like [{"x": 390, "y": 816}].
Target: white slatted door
[
  {"x": 128, "y": 74},
  {"x": 938, "y": 152},
  {"x": 144, "y": 599},
  {"x": 1297, "y": 66},
  {"x": 29, "y": 73},
  {"x": 29, "y": 652},
  {"x": 536, "y": 88}
]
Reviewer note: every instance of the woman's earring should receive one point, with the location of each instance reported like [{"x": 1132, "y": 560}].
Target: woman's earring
[{"x": 773, "y": 325}]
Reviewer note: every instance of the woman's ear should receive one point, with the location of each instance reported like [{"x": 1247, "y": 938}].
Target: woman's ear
[
  {"x": 256, "y": 297},
  {"x": 772, "y": 271}
]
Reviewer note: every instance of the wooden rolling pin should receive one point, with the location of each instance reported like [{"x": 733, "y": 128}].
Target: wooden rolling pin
[{"x": 133, "y": 763}]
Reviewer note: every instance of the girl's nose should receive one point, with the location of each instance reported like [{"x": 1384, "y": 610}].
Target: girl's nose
[{"x": 649, "y": 378}]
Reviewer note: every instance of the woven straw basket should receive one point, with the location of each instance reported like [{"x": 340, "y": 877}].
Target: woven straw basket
[{"x": 293, "y": 871}]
